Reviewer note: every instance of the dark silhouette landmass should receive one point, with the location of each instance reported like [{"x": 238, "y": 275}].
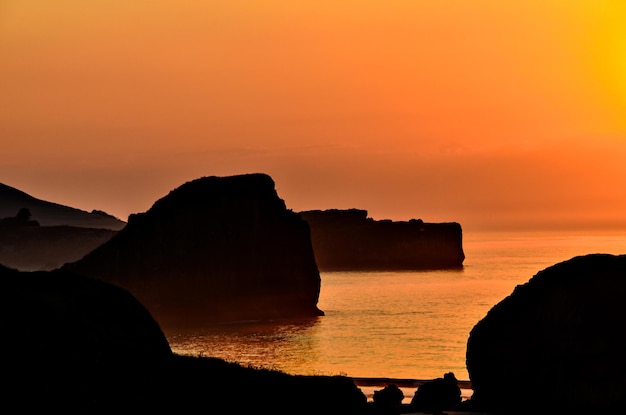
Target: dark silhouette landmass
[
  {"x": 349, "y": 240},
  {"x": 54, "y": 214},
  {"x": 559, "y": 338},
  {"x": 27, "y": 246},
  {"x": 342, "y": 239},
  {"x": 215, "y": 249},
  {"x": 76, "y": 345},
  {"x": 87, "y": 338}
]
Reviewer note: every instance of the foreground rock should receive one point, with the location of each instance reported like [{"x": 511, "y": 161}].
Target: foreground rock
[
  {"x": 76, "y": 345},
  {"x": 556, "y": 344},
  {"x": 349, "y": 240},
  {"x": 65, "y": 337},
  {"x": 215, "y": 249},
  {"x": 437, "y": 395}
]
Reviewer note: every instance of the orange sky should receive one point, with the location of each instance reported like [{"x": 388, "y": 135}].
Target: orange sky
[{"x": 492, "y": 114}]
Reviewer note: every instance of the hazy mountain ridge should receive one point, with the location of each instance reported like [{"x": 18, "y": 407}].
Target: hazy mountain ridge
[
  {"x": 54, "y": 214},
  {"x": 44, "y": 248},
  {"x": 53, "y": 234}
]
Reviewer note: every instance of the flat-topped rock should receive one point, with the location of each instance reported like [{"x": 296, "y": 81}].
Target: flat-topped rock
[{"x": 349, "y": 240}]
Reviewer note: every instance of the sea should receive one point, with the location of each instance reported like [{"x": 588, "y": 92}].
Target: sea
[{"x": 402, "y": 327}]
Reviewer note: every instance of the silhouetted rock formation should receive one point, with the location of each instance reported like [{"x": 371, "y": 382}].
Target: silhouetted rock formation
[
  {"x": 349, "y": 240},
  {"x": 76, "y": 345},
  {"x": 387, "y": 401},
  {"x": 54, "y": 214},
  {"x": 437, "y": 395},
  {"x": 216, "y": 249},
  {"x": 556, "y": 344}
]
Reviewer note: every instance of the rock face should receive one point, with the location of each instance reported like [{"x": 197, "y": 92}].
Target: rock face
[
  {"x": 349, "y": 240},
  {"x": 53, "y": 214},
  {"x": 556, "y": 344},
  {"x": 216, "y": 248}
]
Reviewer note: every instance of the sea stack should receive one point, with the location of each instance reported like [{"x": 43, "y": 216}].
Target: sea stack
[{"x": 216, "y": 249}]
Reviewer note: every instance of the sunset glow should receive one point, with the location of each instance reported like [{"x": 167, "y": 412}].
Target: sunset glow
[{"x": 489, "y": 113}]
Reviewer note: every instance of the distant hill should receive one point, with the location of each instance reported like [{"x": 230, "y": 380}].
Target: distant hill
[
  {"x": 52, "y": 235},
  {"x": 54, "y": 214},
  {"x": 44, "y": 248}
]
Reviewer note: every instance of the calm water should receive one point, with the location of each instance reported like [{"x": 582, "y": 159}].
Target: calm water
[{"x": 410, "y": 325}]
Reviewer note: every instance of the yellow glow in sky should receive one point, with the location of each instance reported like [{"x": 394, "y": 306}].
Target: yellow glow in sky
[{"x": 489, "y": 113}]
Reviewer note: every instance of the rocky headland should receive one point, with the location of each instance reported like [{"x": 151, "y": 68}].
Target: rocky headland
[
  {"x": 216, "y": 249},
  {"x": 350, "y": 240}
]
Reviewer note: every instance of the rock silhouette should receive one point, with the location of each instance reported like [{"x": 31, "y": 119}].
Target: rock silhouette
[
  {"x": 387, "y": 401},
  {"x": 65, "y": 336},
  {"x": 437, "y": 395},
  {"x": 349, "y": 240},
  {"x": 559, "y": 338},
  {"x": 216, "y": 248}
]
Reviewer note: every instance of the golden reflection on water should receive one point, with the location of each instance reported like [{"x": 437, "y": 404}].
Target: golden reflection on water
[
  {"x": 408, "y": 325},
  {"x": 395, "y": 324},
  {"x": 258, "y": 344}
]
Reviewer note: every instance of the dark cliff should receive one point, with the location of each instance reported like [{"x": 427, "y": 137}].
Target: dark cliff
[
  {"x": 349, "y": 240},
  {"x": 559, "y": 338},
  {"x": 216, "y": 249}
]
